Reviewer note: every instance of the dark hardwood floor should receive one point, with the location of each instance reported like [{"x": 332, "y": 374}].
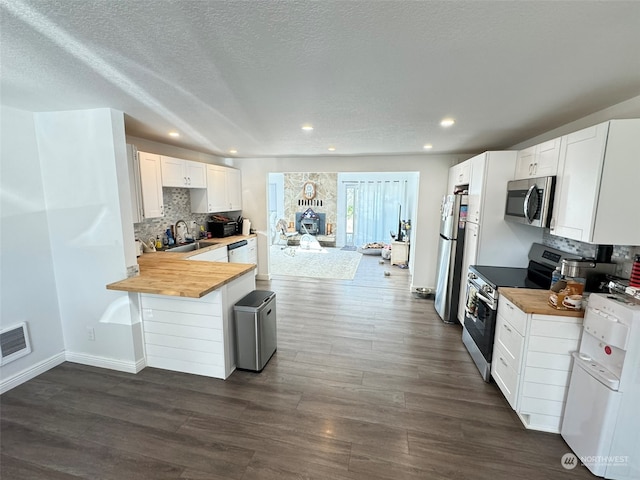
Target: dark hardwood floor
[{"x": 367, "y": 383}]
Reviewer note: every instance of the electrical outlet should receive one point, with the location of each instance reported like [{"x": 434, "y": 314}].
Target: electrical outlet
[{"x": 91, "y": 334}]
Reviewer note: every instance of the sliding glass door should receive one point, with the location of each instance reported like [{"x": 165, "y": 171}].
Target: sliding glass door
[{"x": 373, "y": 210}]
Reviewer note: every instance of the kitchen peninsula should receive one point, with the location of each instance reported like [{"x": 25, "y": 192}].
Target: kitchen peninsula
[{"x": 187, "y": 310}]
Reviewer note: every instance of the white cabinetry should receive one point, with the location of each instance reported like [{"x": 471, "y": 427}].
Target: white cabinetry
[
  {"x": 177, "y": 172},
  {"x": 252, "y": 252},
  {"x": 489, "y": 240},
  {"x": 215, "y": 255},
  {"x": 193, "y": 335},
  {"x": 532, "y": 363},
  {"x": 597, "y": 184},
  {"x": 233, "y": 181},
  {"x": 477, "y": 190},
  {"x": 223, "y": 192},
  {"x": 151, "y": 184},
  {"x": 538, "y": 161},
  {"x": 458, "y": 175}
]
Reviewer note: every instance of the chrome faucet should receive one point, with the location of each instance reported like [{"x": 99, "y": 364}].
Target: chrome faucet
[{"x": 181, "y": 235}]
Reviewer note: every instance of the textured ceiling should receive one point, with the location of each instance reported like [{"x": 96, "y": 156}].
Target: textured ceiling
[{"x": 370, "y": 76}]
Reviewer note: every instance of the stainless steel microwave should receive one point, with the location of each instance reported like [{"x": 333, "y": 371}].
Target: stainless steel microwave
[{"x": 530, "y": 201}]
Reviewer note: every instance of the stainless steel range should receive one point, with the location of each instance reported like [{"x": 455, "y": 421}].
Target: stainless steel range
[{"x": 482, "y": 298}]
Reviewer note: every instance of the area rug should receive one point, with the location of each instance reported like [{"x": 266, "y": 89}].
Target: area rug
[{"x": 326, "y": 263}]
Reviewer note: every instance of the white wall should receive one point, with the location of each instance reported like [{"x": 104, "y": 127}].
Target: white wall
[
  {"x": 178, "y": 152},
  {"x": 433, "y": 170},
  {"x": 27, "y": 280},
  {"x": 84, "y": 172},
  {"x": 627, "y": 109}
]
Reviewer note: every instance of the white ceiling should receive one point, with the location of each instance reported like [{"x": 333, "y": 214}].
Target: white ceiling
[{"x": 372, "y": 77}]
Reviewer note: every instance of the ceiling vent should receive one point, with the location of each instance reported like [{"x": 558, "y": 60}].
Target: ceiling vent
[{"x": 14, "y": 343}]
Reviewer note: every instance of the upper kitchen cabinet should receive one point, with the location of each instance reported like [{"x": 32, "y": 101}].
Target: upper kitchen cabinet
[
  {"x": 597, "y": 184},
  {"x": 223, "y": 192},
  {"x": 459, "y": 175},
  {"x": 149, "y": 166},
  {"x": 233, "y": 180},
  {"x": 177, "y": 172},
  {"x": 538, "y": 161},
  {"x": 476, "y": 187}
]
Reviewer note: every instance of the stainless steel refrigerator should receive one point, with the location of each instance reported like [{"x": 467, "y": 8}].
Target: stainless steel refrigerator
[{"x": 450, "y": 249}]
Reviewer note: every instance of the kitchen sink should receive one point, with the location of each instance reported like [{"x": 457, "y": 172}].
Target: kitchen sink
[{"x": 190, "y": 247}]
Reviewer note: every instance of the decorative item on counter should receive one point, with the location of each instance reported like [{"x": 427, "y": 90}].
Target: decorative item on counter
[
  {"x": 634, "y": 280},
  {"x": 149, "y": 246},
  {"x": 246, "y": 226},
  {"x": 569, "y": 297},
  {"x": 170, "y": 238},
  {"x": 158, "y": 242}
]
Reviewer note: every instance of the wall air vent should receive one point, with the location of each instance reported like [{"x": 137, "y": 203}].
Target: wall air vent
[{"x": 14, "y": 343}]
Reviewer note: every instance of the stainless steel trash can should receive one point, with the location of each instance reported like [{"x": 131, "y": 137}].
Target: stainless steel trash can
[{"x": 255, "y": 329}]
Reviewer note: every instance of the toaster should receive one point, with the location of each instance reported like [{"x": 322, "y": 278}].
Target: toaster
[{"x": 222, "y": 229}]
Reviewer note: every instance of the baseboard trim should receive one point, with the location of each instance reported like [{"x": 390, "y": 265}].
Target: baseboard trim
[
  {"x": 104, "y": 362},
  {"x": 262, "y": 276},
  {"x": 19, "y": 378}
]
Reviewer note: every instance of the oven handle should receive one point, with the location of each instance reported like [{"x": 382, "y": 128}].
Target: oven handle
[{"x": 486, "y": 300}]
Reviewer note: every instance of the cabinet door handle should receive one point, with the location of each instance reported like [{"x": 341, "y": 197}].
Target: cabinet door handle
[
  {"x": 535, "y": 168},
  {"x": 510, "y": 306},
  {"x": 507, "y": 329},
  {"x": 503, "y": 362}
]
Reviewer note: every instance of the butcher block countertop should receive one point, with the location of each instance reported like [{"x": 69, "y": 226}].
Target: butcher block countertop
[
  {"x": 535, "y": 301},
  {"x": 170, "y": 273}
]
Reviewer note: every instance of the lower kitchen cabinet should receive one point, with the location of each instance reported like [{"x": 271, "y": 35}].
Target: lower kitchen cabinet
[
  {"x": 193, "y": 335},
  {"x": 214, "y": 255},
  {"x": 252, "y": 255},
  {"x": 532, "y": 363}
]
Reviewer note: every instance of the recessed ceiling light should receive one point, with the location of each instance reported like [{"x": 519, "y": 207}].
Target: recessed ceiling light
[
  {"x": 332, "y": 149},
  {"x": 447, "y": 122},
  {"x": 307, "y": 128},
  {"x": 233, "y": 151},
  {"x": 428, "y": 146},
  {"x": 174, "y": 134}
]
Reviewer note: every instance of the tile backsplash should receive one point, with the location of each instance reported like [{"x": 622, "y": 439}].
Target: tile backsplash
[
  {"x": 622, "y": 255},
  {"x": 177, "y": 206}
]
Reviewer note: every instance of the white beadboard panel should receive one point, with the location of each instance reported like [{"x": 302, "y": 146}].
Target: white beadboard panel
[
  {"x": 204, "y": 358},
  {"x": 195, "y": 344},
  {"x": 554, "y": 329},
  {"x": 182, "y": 304},
  {"x": 549, "y": 360},
  {"x": 530, "y": 405},
  {"x": 183, "y": 331},
  {"x": 543, "y": 423},
  {"x": 546, "y": 392},
  {"x": 187, "y": 319},
  {"x": 553, "y": 345},
  {"x": 544, "y": 375},
  {"x": 215, "y": 371}
]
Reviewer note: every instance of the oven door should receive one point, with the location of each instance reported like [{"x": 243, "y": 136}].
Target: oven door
[{"x": 480, "y": 319}]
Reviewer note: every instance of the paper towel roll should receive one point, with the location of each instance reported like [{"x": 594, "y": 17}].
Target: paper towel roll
[{"x": 246, "y": 226}]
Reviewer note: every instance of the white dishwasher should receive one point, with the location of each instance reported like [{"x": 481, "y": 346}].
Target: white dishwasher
[{"x": 238, "y": 252}]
